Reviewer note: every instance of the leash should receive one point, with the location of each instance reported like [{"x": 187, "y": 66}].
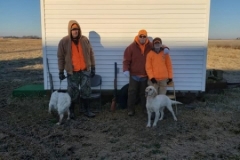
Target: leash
[
  {"x": 60, "y": 84},
  {"x": 60, "y": 88}
]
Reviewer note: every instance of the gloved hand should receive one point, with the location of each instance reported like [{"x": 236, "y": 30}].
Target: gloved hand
[
  {"x": 166, "y": 50},
  {"x": 92, "y": 74},
  {"x": 61, "y": 76},
  {"x": 153, "y": 80},
  {"x": 126, "y": 73},
  {"x": 169, "y": 80}
]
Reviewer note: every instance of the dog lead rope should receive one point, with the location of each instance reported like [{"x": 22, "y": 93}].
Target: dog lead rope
[{"x": 60, "y": 85}]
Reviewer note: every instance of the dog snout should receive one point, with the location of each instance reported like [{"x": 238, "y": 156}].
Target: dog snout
[{"x": 146, "y": 93}]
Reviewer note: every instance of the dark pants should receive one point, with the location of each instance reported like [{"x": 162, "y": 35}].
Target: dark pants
[
  {"x": 75, "y": 80},
  {"x": 136, "y": 88}
]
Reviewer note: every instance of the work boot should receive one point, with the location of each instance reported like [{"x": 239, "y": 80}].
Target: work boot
[
  {"x": 71, "y": 109},
  {"x": 87, "y": 111},
  {"x": 131, "y": 113}
]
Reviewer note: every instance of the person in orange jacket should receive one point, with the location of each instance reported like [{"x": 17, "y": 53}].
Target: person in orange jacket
[{"x": 159, "y": 66}]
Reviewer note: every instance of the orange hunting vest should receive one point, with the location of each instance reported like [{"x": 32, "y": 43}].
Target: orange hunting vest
[{"x": 78, "y": 58}]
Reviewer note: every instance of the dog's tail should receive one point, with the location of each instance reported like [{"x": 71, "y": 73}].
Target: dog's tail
[{"x": 175, "y": 102}]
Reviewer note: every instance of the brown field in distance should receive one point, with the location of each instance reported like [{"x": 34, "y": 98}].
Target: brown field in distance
[
  {"x": 24, "y": 56},
  {"x": 21, "y": 60},
  {"x": 225, "y": 55},
  {"x": 233, "y": 44}
]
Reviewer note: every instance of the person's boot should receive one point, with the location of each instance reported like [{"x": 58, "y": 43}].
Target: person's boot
[
  {"x": 87, "y": 111},
  {"x": 71, "y": 108},
  {"x": 131, "y": 113}
]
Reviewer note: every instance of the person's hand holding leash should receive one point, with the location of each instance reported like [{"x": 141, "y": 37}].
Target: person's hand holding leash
[
  {"x": 61, "y": 76},
  {"x": 92, "y": 74},
  {"x": 153, "y": 80}
]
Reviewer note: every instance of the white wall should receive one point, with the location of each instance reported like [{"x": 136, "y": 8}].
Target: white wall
[{"x": 111, "y": 26}]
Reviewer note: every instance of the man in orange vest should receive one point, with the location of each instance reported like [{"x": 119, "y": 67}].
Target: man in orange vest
[{"x": 76, "y": 57}]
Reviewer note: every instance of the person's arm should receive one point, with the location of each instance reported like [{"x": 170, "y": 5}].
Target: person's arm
[
  {"x": 169, "y": 66},
  {"x": 60, "y": 55},
  {"x": 148, "y": 66},
  {"x": 165, "y": 49},
  {"x": 92, "y": 57},
  {"x": 127, "y": 59}
]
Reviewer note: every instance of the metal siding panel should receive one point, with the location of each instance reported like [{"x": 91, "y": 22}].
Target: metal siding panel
[
  {"x": 148, "y": 20},
  {"x": 126, "y": 2},
  {"x": 173, "y": 29},
  {"x": 127, "y": 16},
  {"x": 125, "y": 11},
  {"x": 112, "y": 5},
  {"x": 183, "y": 28},
  {"x": 133, "y": 34}
]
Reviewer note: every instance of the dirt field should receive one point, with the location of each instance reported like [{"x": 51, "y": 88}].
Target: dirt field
[{"x": 207, "y": 129}]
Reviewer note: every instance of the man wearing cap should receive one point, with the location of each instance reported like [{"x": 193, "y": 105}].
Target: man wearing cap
[
  {"x": 76, "y": 57},
  {"x": 159, "y": 66},
  {"x": 134, "y": 60}
]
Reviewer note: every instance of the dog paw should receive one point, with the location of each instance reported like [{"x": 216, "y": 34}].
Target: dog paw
[
  {"x": 148, "y": 125},
  {"x": 175, "y": 119},
  {"x": 58, "y": 123}
]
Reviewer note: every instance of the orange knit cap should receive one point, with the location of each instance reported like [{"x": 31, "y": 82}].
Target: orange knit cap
[
  {"x": 142, "y": 32},
  {"x": 74, "y": 26}
]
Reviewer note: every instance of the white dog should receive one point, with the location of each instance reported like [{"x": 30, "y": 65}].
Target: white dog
[
  {"x": 156, "y": 103},
  {"x": 61, "y": 102}
]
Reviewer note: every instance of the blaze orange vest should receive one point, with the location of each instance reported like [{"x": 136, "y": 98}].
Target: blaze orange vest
[{"x": 78, "y": 58}]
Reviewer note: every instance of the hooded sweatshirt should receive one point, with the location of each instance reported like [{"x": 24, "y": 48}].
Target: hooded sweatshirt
[
  {"x": 159, "y": 65},
  {"x": 134, "y": 58},
  {"x": 64, "y": 52}
]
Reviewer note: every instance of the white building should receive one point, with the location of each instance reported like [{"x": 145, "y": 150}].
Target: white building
[{"x": 111, "y": 26}]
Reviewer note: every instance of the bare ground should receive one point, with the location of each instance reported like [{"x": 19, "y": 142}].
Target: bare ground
[{"x": 208, "y": 129}]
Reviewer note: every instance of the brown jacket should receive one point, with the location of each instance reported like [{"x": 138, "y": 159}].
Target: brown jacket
[
  {"x": 159, "y": 65},
  {"x": 64, "y": 52},
  {"x": 134, "y": 61}
]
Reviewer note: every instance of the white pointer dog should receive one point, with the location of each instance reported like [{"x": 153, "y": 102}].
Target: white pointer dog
[
  {"x": 156, "y": 103},
  {"x": 61, "y": 102}
]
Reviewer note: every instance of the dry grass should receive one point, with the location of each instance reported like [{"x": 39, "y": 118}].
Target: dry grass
[
  {"x": 225, "y": 55},
  {"x": 13, "y": 49},
  {"x": 232, "y": 44},
  {"x": 21, "y": 60}
]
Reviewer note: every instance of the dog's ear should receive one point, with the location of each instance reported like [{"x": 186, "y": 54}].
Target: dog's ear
[{"x": 154, "y": 92}]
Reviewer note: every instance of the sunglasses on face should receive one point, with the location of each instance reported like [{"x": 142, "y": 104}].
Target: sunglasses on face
[
  {"x": 75, "y": 29},
  {"x": 142, "y": 36}
]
